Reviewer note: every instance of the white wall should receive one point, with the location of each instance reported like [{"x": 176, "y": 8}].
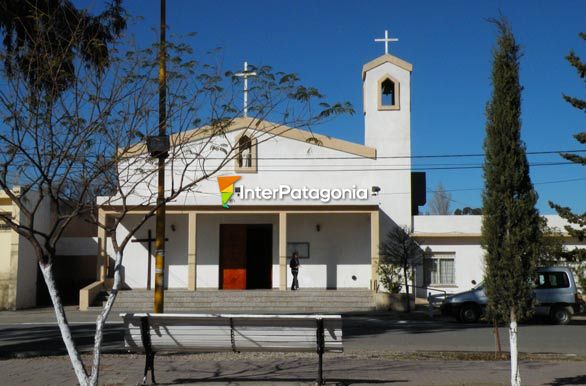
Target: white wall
[
  {"x": 135, "y": 261},
  {"x": 447, "y": 224},
  {"x": 339, "y": 252},
  {"x": 271, "y": 172},
  {"x": 468, "y": 262}
]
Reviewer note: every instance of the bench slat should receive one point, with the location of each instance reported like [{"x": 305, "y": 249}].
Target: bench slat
[{"x": 196, "y": 333}]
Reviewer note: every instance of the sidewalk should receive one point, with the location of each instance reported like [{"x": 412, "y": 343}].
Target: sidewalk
[
  {"x": 47, "y": 315},
  {"x": 292, "y": 369},
  {"x": 369, "y": 358}
]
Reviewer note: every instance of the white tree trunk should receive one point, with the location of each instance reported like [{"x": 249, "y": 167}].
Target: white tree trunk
[
  {"x": 64, "y": 325},
  {"x": 101, "y": 321},
  {"x": 513, "y": 333}
]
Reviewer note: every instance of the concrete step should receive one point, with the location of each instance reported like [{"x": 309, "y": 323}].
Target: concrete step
[
  {"x": 248, "y": 295},
  {"x": 254, "y": 305},
  {"x": 245, "y": 310},
  {"x": 221, "y": 306},
  {"x": 248, "y": 310},
  {"x": 254, "y": 300}
]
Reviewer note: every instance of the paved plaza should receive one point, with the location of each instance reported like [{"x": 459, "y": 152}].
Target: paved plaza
[
  {"x": 382, "y": 349},
  {"x": 293, "y": 369}
]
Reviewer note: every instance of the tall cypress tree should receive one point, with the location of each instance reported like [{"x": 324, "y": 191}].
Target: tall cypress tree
[
  {"x": 578, "y": 230},
  {"x": 510, "y": 225}
]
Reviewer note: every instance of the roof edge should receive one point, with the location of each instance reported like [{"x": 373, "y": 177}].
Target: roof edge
[
  {"x": 266, "y": 127},
  {"x": 386, "y": 58}
]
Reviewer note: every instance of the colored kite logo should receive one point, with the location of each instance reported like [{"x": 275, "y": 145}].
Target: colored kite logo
[{"x": 226, "y": 185}]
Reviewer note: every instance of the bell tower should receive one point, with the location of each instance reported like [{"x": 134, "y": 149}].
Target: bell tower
[
  {"x": 387, "y": 103},
  {"x": 386, "y": 83}
]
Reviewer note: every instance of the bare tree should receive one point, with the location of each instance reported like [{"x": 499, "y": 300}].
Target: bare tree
[
  {"x": 440, "y": 202},
  {"x": 400, "y": 250},
  {"x": 82, "y": 147}
]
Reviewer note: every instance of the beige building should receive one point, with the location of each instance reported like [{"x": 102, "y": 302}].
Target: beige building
[{"x": 18, "y": 265}]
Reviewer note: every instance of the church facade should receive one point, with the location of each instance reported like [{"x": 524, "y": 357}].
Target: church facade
[
  {"x": 242, "y": 224},
  {"x": 333, "y": 207}
]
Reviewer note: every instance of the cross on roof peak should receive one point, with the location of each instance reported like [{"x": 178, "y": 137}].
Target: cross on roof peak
[
  {"x": 245, "y": 75},
  {"x": 386, "y": 40}
]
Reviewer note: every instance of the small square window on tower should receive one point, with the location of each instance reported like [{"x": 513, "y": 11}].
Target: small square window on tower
[{"x": 388, "y": 89}]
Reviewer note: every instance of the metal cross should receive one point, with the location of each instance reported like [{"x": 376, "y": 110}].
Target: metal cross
[
  {"x": 386, "y": 40},
  {"x": 149, "y": 240},
  {"x": 245, "y": 74}
]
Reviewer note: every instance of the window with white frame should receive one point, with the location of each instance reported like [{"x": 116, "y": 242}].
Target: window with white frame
[{"x": 442, "y": 270}]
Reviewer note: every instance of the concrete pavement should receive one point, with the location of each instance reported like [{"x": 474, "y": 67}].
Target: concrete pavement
[
  {"x": 34, "y": 332},
  {"x": 379, "y": 349},
  {"x": 377, "y": 333},
  {"x": 291, "y": 369}
]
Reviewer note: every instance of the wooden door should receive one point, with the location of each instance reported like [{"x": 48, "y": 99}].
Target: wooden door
[{"x": 233, "y": 256}]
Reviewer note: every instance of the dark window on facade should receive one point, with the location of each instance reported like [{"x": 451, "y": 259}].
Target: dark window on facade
[{"x": 244, "y": 152}]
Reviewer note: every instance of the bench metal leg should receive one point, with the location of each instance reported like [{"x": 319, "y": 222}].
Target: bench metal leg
[
  {"x": 320, "y": 377},
  {"x": 320, "y": 351},
  {"x": 148, "y": 350},
  {"x": 149, "y": 365}
]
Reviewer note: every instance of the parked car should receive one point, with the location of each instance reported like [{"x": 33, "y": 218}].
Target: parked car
[{"x": 555, "y": 293}]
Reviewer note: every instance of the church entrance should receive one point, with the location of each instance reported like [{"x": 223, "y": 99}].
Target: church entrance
[{"x": 246, "y": 256}]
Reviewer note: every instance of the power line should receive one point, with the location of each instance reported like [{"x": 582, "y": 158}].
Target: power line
[
  {"x": 375, "y": 169},
  {"x": 465, "y": 155},
  {"x": 535, "y": 183},
  {"x": 432, "y": 191}
]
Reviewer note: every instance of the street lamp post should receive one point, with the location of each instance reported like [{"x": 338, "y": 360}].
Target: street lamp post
[{"x": 160, "y": 147}]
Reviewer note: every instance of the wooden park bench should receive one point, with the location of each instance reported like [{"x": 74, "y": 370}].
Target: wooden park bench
[{"x": 191, "y": 333}]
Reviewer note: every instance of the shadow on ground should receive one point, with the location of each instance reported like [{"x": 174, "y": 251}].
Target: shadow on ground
[
  {"x": 29, "y": 341},
  {"x": 578, "y": 380},
  {"x": 358, "y": 325},
  {"x": 303, "y": 371}
]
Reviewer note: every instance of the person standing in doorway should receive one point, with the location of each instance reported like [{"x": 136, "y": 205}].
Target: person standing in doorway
[{"x": 294, "y": 265}]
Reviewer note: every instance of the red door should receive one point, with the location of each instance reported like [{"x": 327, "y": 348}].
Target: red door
[{"x": 233, "y": 256}]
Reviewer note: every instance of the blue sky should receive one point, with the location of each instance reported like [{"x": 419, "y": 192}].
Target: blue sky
[{"x": 448, "y": 42}]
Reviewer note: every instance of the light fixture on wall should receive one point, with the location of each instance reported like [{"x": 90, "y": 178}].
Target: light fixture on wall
[
  {"x": 375, "y": 190},
  {"x": 427, "y": 253},
  {"x": 317, "y": 227}
]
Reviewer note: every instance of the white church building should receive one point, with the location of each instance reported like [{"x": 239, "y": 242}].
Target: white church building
[{"x": 334, "y": 216}]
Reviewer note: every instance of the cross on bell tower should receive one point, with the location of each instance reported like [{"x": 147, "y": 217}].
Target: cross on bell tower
[
  {"x": 386, "y": 40},
  {"x": 245, "y": 75}
]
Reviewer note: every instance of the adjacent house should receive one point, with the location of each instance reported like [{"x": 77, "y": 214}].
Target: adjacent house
[{"x": 18, "y": 263}]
